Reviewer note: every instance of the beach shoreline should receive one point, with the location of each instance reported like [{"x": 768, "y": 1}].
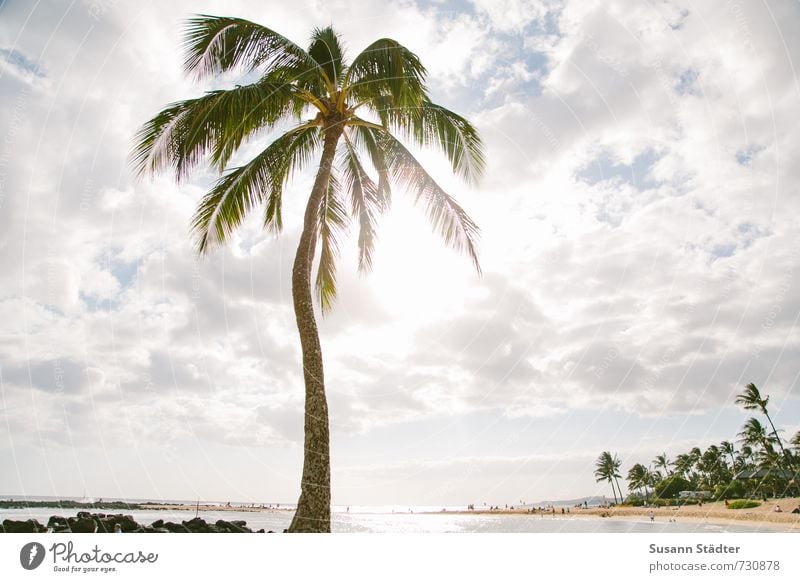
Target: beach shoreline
[{"x": 715, "y": 513}]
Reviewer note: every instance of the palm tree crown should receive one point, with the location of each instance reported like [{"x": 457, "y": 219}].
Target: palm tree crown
[
  {"x": 662, "y": 462},
  {"x": 355, "y": 113},
  {"x": 381, "y": 94},
  {"x": 751, "y": 399}
]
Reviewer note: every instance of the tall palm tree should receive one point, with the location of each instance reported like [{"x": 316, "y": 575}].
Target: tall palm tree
[
  {"x": 352, "y": 112},
  {"x": 751, "y": 399},
  {"x": 607, "y": 469}
]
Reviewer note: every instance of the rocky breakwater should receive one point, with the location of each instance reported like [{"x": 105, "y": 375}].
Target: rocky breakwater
[{"x": 86, "y": 522}]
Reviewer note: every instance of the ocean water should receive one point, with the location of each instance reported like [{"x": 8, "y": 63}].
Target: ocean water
[{"x": 377, "y": 520}]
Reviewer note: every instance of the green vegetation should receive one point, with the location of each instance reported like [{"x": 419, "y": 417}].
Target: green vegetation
[
  {"x": 761, "y": 467},
  {"x": 743, "y": 504},
  {"x": 353, "y": 113},
  {"x": 672, "y": 486}
]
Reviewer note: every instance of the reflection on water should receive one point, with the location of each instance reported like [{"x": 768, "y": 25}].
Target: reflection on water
[{"x": 416, "y": 522}]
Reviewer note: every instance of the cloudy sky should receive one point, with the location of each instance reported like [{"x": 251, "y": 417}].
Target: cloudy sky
[{"x": 639, "y": 244}]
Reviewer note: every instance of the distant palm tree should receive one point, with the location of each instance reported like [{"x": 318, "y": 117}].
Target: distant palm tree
[
  {"x": 638, "y": 479},
  {"x": 353, "y": 112},
  {"x": 662, "y": 462},
  {"x": 727, "y": 448},
  {"x": 754, "y": 434},
  {"x": 744, "y": 458},
  {"x": 607, "y": 469},
  {"x": 714, "y": 467},
  {"x": 751, "y": 399},
  {"x": 684, "y": 463}
]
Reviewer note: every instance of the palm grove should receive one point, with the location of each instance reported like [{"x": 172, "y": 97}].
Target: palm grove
[
  {"x": 757, "y": 464},
  {"x": 353, "y": 114}
]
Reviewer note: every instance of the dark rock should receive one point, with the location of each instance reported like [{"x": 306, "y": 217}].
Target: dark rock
[
  {"x": 159, "y": 523},
  {"x": 83, "y": 525},
  {"x": 57, "y": 522},
  {"x": 197, "y": 525},
  {"x": 175, "y": 527},
  {"x": 126, "y": 522},
  {"x": 84, "y": 515},
  {"x": 233, "y": 526},
  {"x": 28, "y": 526}
]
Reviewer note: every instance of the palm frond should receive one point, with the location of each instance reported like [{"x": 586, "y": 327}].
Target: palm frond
[
  {"x": 386, "y": 69},
  {"x": 332, "y": 222},
  {"x": 366, "y": 203},
  {"x": 222, "y": 210},
  {"x": 428, "y": 124},
  {"x": 457, "y": 229},
  {"x": 183, "y": 133},
  {"x": 751, "y": 398},
  {"x": 216, "y": 44},
  {"x": 366, "y": 140},
  {"x": 326, "y": 49},
  {"x": 433, "y": 125}
]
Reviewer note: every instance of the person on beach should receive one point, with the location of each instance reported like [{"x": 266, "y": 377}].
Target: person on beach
[
  {"x": 778, "y": 509},
  {"x": 652, "y": 515}
]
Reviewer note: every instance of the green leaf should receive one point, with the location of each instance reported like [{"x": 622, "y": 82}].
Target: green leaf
[
  {"x": 217, "y": 44},
  {"x": 386, "y": 69},
  {"x": 222, "y": 210},
  {"x": 183, "y": 133},
  {"x": 326, "y": 50},
  {"x": 445, "y": 215},
  {"x": 455, "y": 136},
  {"x": 366, "y": 203},
  {"x": 332, "y": 223}
]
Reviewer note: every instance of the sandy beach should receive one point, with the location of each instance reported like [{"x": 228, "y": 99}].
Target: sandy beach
[{"x": 711, "y": 513}]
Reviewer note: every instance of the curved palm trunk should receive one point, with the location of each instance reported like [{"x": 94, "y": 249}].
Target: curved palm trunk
[
  {"x": 314, "y": 506},
  {"x": 613, "y": 490},
  {"x": 621, "y": 498},
  {"x": 784, "y": 458}
]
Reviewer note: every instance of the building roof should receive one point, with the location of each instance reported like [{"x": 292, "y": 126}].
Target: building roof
[{"x": 763, "y": 473}]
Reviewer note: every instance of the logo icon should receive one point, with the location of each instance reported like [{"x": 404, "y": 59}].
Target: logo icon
[{"x": 31, "y": 555}]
